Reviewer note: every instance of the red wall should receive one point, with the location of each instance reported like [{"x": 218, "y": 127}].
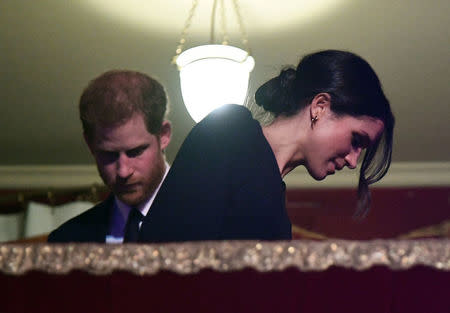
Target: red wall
[{"x": 394, "y": 211}]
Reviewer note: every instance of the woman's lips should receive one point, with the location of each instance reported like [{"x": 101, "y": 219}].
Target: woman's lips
[
  {"x": 332, "y": 170},
  {"x": 335, "y": 167}
]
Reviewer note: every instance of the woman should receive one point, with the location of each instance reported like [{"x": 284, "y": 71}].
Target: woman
[{"x": 226, "y": 181}]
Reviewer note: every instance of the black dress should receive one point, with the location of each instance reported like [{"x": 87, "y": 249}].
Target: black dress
[{"x": 224, "y": 184}]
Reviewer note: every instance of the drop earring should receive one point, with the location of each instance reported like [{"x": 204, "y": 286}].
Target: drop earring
[{"x": 313, "y": 121}]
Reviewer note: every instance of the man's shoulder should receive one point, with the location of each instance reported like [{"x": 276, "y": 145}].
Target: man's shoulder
[{"x": 77, "y": 227}]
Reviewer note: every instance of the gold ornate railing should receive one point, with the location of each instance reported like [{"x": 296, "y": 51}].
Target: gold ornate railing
[{"x": 191, "y": 257}]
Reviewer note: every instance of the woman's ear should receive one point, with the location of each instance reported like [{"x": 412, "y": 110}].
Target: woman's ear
[
  {"x": 320, "y": 104},
  {"x": 165, "y": 134}
]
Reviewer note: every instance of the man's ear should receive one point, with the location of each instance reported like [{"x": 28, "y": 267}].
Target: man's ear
[
  {"x": 165, "y": 134},
  {"x": 320, "y": 105}
]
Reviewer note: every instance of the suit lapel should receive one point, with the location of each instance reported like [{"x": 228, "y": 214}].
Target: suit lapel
[{"x": 100, "y": 223}]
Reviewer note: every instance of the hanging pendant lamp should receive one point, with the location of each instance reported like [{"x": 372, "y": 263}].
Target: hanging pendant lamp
[{"x": 214, "y": 74}]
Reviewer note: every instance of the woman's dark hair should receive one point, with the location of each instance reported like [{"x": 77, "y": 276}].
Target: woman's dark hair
[{"x": 354, "y": 89}]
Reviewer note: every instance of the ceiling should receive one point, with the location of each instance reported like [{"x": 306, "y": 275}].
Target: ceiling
[{"x": 51, "y": 49}]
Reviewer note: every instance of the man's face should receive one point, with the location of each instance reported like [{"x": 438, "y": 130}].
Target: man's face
[{"x": 130, "y": 160}]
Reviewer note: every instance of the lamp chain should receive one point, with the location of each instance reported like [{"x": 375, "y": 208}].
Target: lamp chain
[
  {"x": 244, "y": 36},
  {"x": 224, "y": 24},
  {"x": 225, "y": 36},
  {"x": 212, "y": 31},
  {"x": 184, "y": 33}
]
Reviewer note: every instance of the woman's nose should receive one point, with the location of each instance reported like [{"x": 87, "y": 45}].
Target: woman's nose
[{"x": 352, "y": 158}]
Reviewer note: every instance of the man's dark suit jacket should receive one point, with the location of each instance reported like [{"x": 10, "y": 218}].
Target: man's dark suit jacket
[
  {"x": 223, "y": 184},
  {"x": 89, "y": 226}
]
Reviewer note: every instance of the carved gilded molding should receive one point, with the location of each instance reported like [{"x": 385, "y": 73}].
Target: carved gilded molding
[{"x": 191, "y": 257}]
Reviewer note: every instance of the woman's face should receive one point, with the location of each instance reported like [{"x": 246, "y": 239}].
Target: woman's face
[{"x": 337, "y": 141}]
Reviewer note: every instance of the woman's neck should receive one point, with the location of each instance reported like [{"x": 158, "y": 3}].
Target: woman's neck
[{"x": 286, "y": 136}]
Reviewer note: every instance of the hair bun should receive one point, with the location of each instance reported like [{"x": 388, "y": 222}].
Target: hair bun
[
  {"x": 287, "y": 77},
  {"x": 275, "y": 95}
]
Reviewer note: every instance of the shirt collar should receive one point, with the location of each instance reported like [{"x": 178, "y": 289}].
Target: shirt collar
[{"x": 125, "y": 209}]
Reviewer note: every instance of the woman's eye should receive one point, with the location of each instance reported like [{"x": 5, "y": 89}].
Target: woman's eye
[
  {"x": 356, "y": 141},
  {"x": 360, "y": 141}
]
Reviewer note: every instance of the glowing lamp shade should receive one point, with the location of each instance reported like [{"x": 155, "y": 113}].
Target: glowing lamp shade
[{"x": 213, "y": 75}]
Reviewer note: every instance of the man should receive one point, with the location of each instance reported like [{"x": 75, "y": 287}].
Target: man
[{"x": 123, "y": 118}]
